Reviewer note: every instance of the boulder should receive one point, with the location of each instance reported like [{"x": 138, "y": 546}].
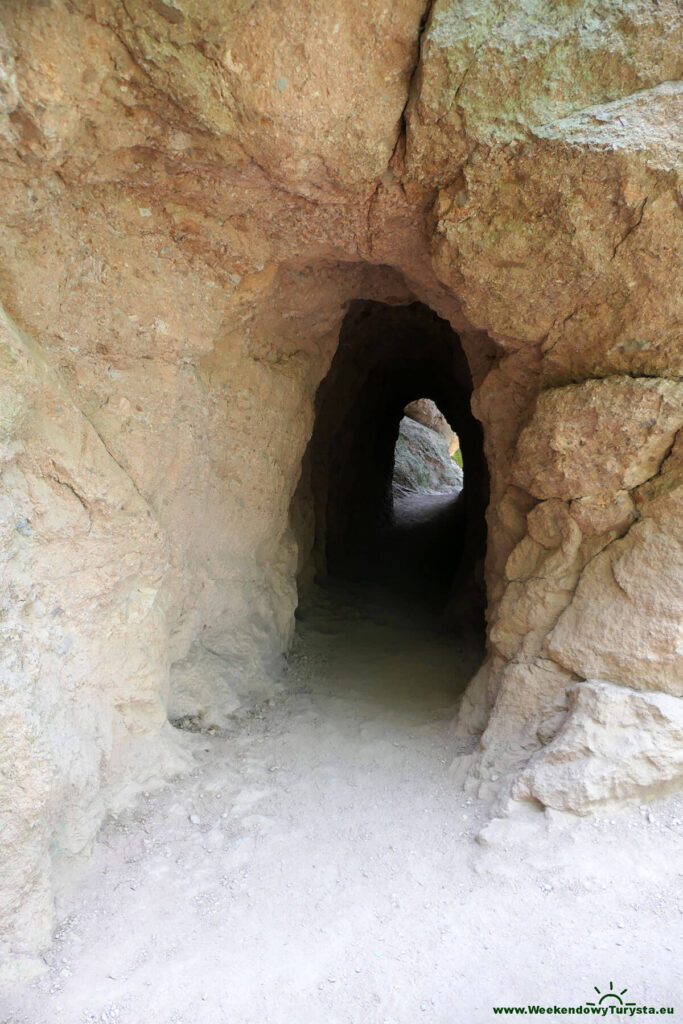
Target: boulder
[
  {"x": 598, "y": 436},
  {"x": 422, "y": 461},
  {"x": 428, "y": 413},
  {"x": 615, "y": 745}
]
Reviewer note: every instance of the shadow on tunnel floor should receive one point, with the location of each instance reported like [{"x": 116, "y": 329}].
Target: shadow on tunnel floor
[
  {"x": 404, "y": 577},
  {"x": 415, "y": 555},
  {"x": 364, "y": 640}
]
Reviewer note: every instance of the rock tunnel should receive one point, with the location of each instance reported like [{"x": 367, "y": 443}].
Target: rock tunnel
[
  {"x": 218, "y": 293},
  {"x": 389, "y": 356}
]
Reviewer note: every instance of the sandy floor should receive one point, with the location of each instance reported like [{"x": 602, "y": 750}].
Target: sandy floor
[{"x": 320, "y": 866}]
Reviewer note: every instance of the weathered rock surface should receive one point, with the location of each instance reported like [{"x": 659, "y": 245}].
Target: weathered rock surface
[
  {"x": 527, "y": 253},
  {"x": 422, "y": 461},
  {"x": 425, "y": 411},
  {"x": 625, "y": 619},
  {"x": 208, "y": 688},
  {"x": 192, "y": 198},
  {"x": 489, "y": 73},
  {"x": 598, "y": 437},
  {"x": 83, "y": 651},
  {"x": 615, "y": 744}
]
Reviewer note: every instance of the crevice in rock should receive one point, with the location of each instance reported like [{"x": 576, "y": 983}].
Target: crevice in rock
[
  {"x": 631, "y": 228},
  {"x": 79, "y": 497},
  {"x": 658, "y": 471},
  {"x": 402, "y": 128},
  {"x": 112, "y": 456},
  {"x": 580, "y": 574}
]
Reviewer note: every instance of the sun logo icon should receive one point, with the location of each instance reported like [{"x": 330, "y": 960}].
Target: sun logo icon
[{"x": 611, "y": 995}]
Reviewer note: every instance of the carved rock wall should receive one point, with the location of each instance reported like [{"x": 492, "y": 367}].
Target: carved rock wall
[{"x": 192, "y": 197}]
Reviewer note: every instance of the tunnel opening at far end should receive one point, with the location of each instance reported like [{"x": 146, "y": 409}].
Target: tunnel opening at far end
[{"x": 377, "y": 504}]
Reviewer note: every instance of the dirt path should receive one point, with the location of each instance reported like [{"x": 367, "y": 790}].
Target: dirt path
[{"x": 320, "y": 867}]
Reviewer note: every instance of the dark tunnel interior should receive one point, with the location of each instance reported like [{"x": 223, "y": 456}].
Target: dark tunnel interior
[{"x": 431, "y": 551}]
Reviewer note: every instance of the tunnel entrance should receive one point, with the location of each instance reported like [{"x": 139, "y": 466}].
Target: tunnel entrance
[{"x": 356, "y": 514}]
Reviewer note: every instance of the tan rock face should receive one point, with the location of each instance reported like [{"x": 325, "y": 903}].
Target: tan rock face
[
  {"x": 625, "y": 619},
  {"x": 268, "y": 78},
  {"x": 193, "y": 197},
  {"x": 613, "y": 745},
  {"x": 83, "y": 672},
  {"x": 488, "y": 73},
  {"x": 598, "y": 437},
  {"x": 571, "y": 220},
  {"x": 427, "y": 412}
]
